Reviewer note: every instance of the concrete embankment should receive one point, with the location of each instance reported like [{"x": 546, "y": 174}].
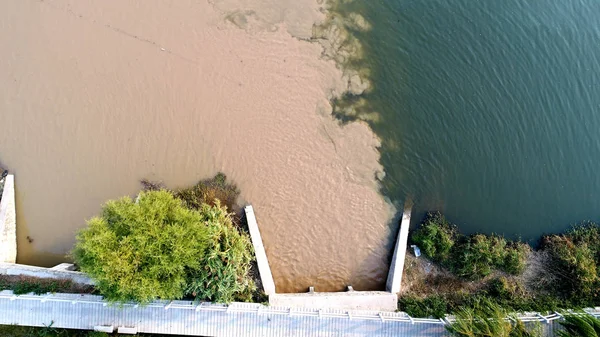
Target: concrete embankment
[
  {"x": 259, "y": 251},
  {"x": 349, "y": 300},
  {"x": 8, "y": 222},
  {"x": 63, "y": 271},
  {"x": 394, "y": 280}
]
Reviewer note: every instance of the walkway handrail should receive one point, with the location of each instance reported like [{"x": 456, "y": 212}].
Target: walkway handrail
[{"x": 260, "y": 309}]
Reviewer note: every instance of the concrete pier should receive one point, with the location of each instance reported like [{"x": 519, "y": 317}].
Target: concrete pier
[
  {"x": 394, "y": 280},
  {"x": 259, "y": 250},
  {"x": 8, "y": 222}
]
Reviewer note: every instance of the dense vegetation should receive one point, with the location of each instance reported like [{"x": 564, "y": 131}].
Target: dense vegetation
[
  {"x": 26, "y": 284},
  {"x": 562, "y": 273},
  {"x": 50, "y": 331},
  {"x": 489, "y": 319},
  {"x": 162, "y": 247},
  {"x": 472, "y": 257},
  {"x": 576, "y": 325}
]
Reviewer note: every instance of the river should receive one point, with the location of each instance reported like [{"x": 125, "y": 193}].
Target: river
[
  {"x": 484, "y": 110},
  {"x": 489, "y": 110}
]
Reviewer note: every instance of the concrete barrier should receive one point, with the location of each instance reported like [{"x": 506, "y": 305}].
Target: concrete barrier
[
  {"x": 58, "y": 272},
  {"x": 8, "y": 222},
  {"x": 350, "y": 300},
  {"x": 259, "y": 250},
  {"x": 394, "y": 280}
]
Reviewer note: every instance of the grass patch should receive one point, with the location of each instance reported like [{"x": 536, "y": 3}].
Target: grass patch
[
  {"x": 27, "y": 284},
  {"x": 50, "y": 331}
]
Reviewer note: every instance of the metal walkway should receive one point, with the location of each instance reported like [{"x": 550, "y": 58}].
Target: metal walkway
[{"x": 75, "y": 311}]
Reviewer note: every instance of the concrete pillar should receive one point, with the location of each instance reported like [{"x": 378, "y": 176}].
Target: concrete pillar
[
  {"x": 8, "y": 222},
  {"x": 394, "y": 280},
  {"x": 259, "y": 250}
]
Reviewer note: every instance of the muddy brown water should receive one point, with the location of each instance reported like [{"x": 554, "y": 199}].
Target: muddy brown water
[{"x": 95, "y": 95}]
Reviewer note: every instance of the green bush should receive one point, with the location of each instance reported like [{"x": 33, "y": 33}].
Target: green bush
[
  {"x": 435, "y": 237},
  {"x": 24, "y": 285},
  {"x": 515, "y": 259},
  {"x": 224, "y": 276},
  {"x": 433, "y": 306},
  {"x": 505, "y": 288},
  {"x": 581, "y": 324},
  {"x": 142, "y": 250},
  {"x": 588, "y": 233},
  {"x": 488, "y": 319},
  {"x": 576, "y": 266},
  {"x": 37, "y": 288},
  {"x": 208, "y": 192},
  {"x": 478, "y": 256}
]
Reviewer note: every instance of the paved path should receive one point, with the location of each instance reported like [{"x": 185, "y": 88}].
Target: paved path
[{"x": 184, "y": 318}]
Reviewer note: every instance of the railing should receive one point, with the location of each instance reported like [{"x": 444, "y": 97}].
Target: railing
[
  {"x": 261, "y": 309},
  {"x": 257, "y": 308}
]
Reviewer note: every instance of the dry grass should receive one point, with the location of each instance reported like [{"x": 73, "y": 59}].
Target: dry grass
[
  {"x": 423, "y": 278},
  {"x": 539, "y": 276}
]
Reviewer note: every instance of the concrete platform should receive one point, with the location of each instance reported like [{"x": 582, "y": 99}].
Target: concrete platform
[{"x": 350, "y": 300}]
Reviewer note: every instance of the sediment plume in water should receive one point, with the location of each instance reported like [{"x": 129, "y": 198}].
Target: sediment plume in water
[{"x": 96, "y": 95}]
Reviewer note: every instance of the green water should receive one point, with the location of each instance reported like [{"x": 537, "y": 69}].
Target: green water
[{"x": 490, "y": 109}]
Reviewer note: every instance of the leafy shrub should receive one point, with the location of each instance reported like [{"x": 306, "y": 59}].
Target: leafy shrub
[
  {"x": 37, "y": 288},
  {"x": 588, "y": 233},
  {"x": 488, "y": 319},
  {"x": 581, "y": 324},
  {"x": 24, "y": 285},
  {"x": 435, "y": 237},
  {"x": 576, "y": 266},
  {"x": 224, "y": 274},
  {"x": 505, "y": 288},
  {"x": 515, "y": 258},
  {"x": 208, "y": 192},
  {"x": 142, "y": 250},
  {"x": 477, "y": 257},
  {"x": 433, "y": 306}
]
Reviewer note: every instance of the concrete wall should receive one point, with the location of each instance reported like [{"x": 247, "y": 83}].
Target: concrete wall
[
  {"x": 8, "y": 222},
  {"x": 350, "y": 300},
  {"x": 259, "y": 250},
  {"x": 62, "y": 271},
  {"x": 394, "y": 280}
]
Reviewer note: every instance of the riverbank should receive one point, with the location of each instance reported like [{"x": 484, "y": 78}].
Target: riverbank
[{"x": 458, "y": 271}]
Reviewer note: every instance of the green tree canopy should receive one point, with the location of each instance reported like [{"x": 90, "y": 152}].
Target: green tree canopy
[{"x": 144, "y": 249}]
